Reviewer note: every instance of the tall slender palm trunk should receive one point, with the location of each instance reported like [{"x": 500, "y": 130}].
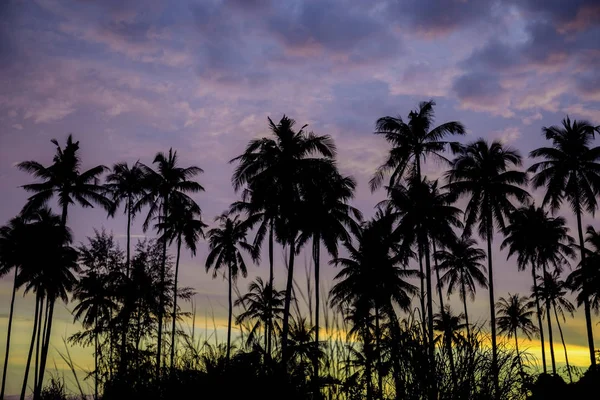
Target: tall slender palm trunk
[
  {"x": 268, "y": 330},
  {"x": 518, "y": 354},
  {"x": 539, "y": 315},
  {"x": 38, "y": 301},
  {"x": 378, "y": 346},
  {"x": 549, "y": 321},
  {"x": 40, "y": 340},
  {"x": 174, "y": 315},
  {"x": 10, "y": 319},
  {"x": 96, "y": 349},
  {"x": 492, "y": 308},
  {"x": 127, "y": 274},
  {"x": 431, "y": 343},
  {"x": 562, "y": 339},
  {"x": 161, "y": 294},
  {"x": 586, "y": 302},
  {"x": 286, "y": 305},
  {"x": 464, "y": 299},
  {"x": 316, "y": 257},
  {"x": 45, "y": 349},
  {"x": 230, "y": 314}
]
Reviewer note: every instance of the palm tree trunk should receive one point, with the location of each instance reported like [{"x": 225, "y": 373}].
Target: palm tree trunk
[
  {"x": 45, "y": 348},
  {"x": 316, "y": 256},
  {"x": 368, "y": 370},
  {"x": 10, "y": 319},
  {"x": 422, "y": 296},
  {"x": 129, "y": 205},
  {"x": 175, "y": 303},
  {"x": 37, "y": 312},
  {"x": 229, "y": 317},
  {"x": 464, "y": 299},
  {"x": 492, "y": 307},
  {"x": 96, "y": 358},
  {"x": 40, "y": 340},
  {"x": 518, "y": 354},
  {"x": 562, "y": 339},
  {"x": 127, "y": 273},
  {"x": 539, "y": 315},
  {"x": 549, "y": 320},
  {"x": 286, "y": 305},
  {"x": 431, "y": 343},
  {"x": 586, "y": 300},
  {"x": 378, "y": 346},
  {"x": 268, "y": 331},
  {"x": 161, "y": 294}
]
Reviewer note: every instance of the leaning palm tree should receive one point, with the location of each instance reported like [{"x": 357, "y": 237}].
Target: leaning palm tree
[
  {"x": 275, "y": 169},
  {"x": 570, "y": 171},
  {"x": 553, "y": 290},
  {"x": 125, "y": 184},
  {"x": 169, "y": 183},
  {"x": 263, "y": 305},
  {"x": 327, "y": 218},
  {"x": 462, "y": 265},
  {"x": 13, "y": 244},
  {"x": 481, "y": 171},
  {"x": 95, "y": 308},
  {"x": 514, "y": 314},
  {"x": 64, "y": 179},
  {"x": 183, "y": 225},
  {"x": 226, "y": 245}
]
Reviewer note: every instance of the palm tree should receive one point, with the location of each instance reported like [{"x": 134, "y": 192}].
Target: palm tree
[
  {"x": 13, "y": 242},
  {"x": 553, "y": 290},
  {"x": 586, "y": 280},
  {"x": 570, "y": 171},
  {"x": 327, "y": 218},
  {"x": 226, "y": 245},
  {"x": 450, "y": 326},
  {"x": 481, "y": 172},
  {"x": 412, "y": 142},
  {"x": 183, "y": 224},
  {"x": 274, "y": 169},
  {"x": 125, "y": 184},
  {"x": 64, "y": 179},
  {"x": 264, "y": 305},
  {"x": 462, "y": 264},
  {"x": 95, "y": 308},
  {"x": 49, "y": 272},
  {"x": 514, "y": 314},
  {"x": 169, "y": 183}
]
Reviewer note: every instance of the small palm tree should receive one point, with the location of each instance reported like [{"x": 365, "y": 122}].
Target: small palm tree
[
  {"x": 263, "y": 305},
  {"x": 126, "y": 184},
  {"x": 462, "y": 265},
  {"x": 183, "y": 224},
  {"x": 226, "y": 245},
  {"x": 481, "y": 171},
  {"x": 514, "y": 314},
  {"x": 169, "y": 183},
  {"x": 95, "y": 308},
  {"x": 570, "y": 171},
  {"x": 64, "y": 179},
  {"x": 586, "y": 280},
  {"x": 274, "y": 169},
  {"x": 450, "y": 325}
]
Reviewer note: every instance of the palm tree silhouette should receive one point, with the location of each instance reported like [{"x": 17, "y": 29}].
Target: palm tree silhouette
[
  {"x": 450, "y": 326},
  {"x": 182, "y": 224},
  {"x": 226, "y": 245},
  {"x": 126, "y": 184},
  {"x": 49, "y": 272},
  {"x": 463, "y": 269},
  {"x": 264, "y": 306},
  {"x": 274, "y": 169},
  {"x": 586, "y": 279},
  {"x": 169, "y": 183},
  {"x": 95, "y": 308},
  {"x": 481, "y": 172},
  {"x": 64, "y": 179},
  {"x": 13, "y": 243},
  {"x": 515, "y": 314},
  {"x": 570, "y": 171},
  {"x": 327, "y": 218},
  {"x": 553, "y": 290}
]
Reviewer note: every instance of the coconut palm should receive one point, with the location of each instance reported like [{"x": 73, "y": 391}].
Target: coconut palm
[
  {"x": 226, "y": 245},
  {"x": 553, "y": 289},
  {"x": 183, "y": 225},
  {"x": 263, "y": 305},
  {"x": 514, "y": 314},
  {"x": 13, "y": 244},
  {"x": 413, "y": 142},
  {"x": 95, "y": 308},
  {"x": 49, "y": 272},
  {"x": 450, "y": 325},
  {"x": 586, "y": 280},
  {"x": 274, "y": 169},
  {"x": 64, "y": 179},
  {"x": 463, "y": 270},
  {"x": 570, "y": 171},
  {"x": 481, "y": 171},
  {"x": 126, "y": 184},
  {"x": 168, "y": 183},
  {"x": 327, "y": 218}
]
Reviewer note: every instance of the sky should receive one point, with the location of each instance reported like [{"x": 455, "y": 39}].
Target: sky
[{"x": 130, "y": 78}]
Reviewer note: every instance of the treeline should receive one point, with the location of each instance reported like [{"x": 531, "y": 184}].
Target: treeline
[{"x": 385, "y": 331}]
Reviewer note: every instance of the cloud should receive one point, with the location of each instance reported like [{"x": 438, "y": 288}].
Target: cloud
[
  {"x": 507, "y": 135},
  {"x": 18, "y": 127},
  {"x": 583, "y": 111},
  {"x": 483, "y": 92},
  {"x": 50, "y": 110}
]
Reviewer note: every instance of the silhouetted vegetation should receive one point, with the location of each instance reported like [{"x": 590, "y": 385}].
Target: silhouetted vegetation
[{"x": 383, "y": 332}]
